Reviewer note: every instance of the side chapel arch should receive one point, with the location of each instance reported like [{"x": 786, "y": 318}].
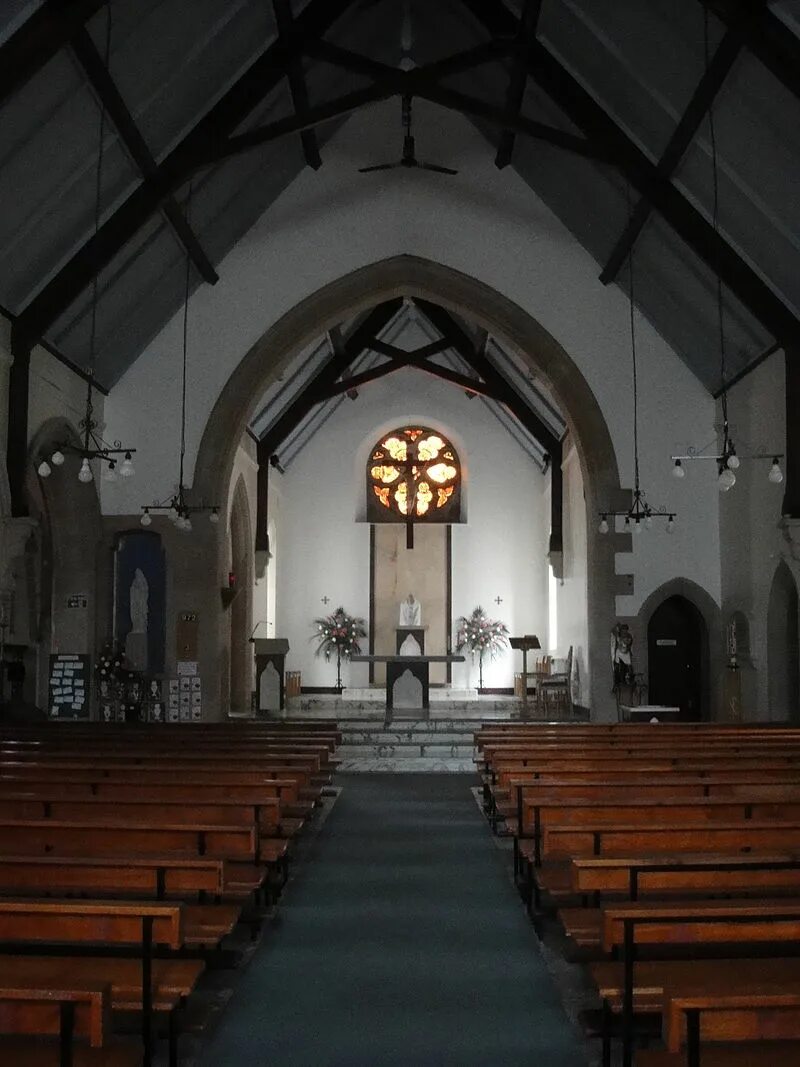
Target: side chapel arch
[
  {"x": 416, "y": 277},
  {"x": 241, "y": 608}
]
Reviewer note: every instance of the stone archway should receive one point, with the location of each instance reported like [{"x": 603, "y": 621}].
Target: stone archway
[
  {"x": 413, "y": 276},
  {"x": 783, "y": 655},
  {"x": 711, "y": 653},
  {"x": 241, "y": 608}
]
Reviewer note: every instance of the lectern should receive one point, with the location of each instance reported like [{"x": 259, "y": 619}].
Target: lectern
[
  {"x": 525, "y": 644},
  {"x": 270, "y": 673}
]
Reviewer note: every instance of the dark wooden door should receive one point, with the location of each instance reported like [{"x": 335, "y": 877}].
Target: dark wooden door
[{"x": 675, "y": 645}]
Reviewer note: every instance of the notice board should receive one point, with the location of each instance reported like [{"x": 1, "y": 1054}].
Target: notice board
[{"x": 69, "y": 686}]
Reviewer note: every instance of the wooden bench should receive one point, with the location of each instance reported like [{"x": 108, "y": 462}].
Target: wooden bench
[
  {"x": 695, "y": 927},
  {"x": 130, "y": 930},
  {"x": 76, "y": 1015}
]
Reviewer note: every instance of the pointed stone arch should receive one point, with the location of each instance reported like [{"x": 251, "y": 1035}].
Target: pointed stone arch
[
  {"x": 783, "y": 653},
  {"x": 413, "y": 276}
]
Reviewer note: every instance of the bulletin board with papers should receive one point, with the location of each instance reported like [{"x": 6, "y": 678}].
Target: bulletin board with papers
[{"x": 69, "y": 686}]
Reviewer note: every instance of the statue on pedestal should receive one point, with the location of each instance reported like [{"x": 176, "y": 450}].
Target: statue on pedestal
[
  {"x": 136, "y": 641},
  {"x": 622, "y": 655},
  {"x": 410, "y": 612}
]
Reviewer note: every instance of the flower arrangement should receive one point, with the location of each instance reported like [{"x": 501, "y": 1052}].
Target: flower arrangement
[
  {"x": 339, "y": 634},
  {"x": 480, "y": 635}
]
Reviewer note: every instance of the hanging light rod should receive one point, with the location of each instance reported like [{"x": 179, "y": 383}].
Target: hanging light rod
[
  {"x": 638, "y": 517},
  {"x": 92, "y": 446},
  {"x": 728, "y": 462}
]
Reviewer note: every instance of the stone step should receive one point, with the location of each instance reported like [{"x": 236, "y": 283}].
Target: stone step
[
  {"x": 387, "y": 737},
  {"x": 405, "y": 751}
]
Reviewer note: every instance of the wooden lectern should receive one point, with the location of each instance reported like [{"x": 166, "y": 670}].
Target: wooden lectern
[
  {"x": 525, "y": 644},
  {"x": 270, "y": 673}
]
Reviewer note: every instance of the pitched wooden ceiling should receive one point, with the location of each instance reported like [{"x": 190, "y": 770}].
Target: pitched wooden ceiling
[{"x": 585, "y": 99}]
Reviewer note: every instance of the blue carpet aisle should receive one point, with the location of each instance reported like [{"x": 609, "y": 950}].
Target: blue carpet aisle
[{"x": 400, "y": 942}]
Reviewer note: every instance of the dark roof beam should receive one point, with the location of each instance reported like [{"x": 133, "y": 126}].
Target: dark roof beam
[
  {"x": 502, "y": 390},
  {"x": 111, "y": 99},
  {"x": 260, "y": 78},
  {"x": 763, "y": 34},
  {"x": 336, "y": 365},
  {"x": 517, "y": 79},
  {"x": 689, "y": 223},
  {"x": 39, "y": 38},
  {"x": 703, "y": 97},
  {"x": 297, "y": 84}
]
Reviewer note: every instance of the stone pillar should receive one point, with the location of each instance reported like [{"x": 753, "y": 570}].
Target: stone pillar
[
  {"x": 5, "y": 369},
  {"x": 791, "y": 495}
]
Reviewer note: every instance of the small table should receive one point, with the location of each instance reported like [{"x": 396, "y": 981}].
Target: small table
[
  {"x": 646, "y": 712},
  {"x": 396, "y": 666}
]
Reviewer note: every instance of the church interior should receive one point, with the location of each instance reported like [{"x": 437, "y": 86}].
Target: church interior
[{"x": 399, "y": 532}]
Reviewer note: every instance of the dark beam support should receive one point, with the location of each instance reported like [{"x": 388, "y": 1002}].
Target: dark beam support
[
  {"x": 103, "y": 84},
  {"x": 517, "y": 79},
  {"x": 486, "y": 52},
  {"x": 262, "y": 499},
  {"x": 344, "y": 385},
  {"x": 690, "y": 225},
  {"x": 556, "y": 505},
  {"x": 791, "y": 496},
  {"x": 702, "y": 99},
  {"x": 502, "y": 390},
  {"x": 416, "y": 355},
  {"x": 765, "y": 35},
  {"x": 225, "y": 115},
  {"x": 297, "y": 84},
  {"x": 39, "y": 38},
  {"x": 377, "y": 319},
  {"x": 17, "y": 431}
]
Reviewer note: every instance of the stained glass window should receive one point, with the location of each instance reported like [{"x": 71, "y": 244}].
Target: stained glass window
[{"x": 417, "y": 469}]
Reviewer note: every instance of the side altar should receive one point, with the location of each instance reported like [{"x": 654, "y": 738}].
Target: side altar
[
  {"x": 407, "y": 679},
  {"x": 270, "y": 654}
]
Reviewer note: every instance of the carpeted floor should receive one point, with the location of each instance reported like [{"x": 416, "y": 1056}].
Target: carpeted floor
[{"x": 401, "y": 941}]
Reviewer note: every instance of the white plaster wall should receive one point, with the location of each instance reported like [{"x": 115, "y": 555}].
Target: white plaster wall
[
  {"x": 324, "y": 551},
  {"x": 484, "y": 222},
  {"x": 57, "y": 392},
  {"x": 753, "y": 539},
  {"x": 573, "y": 621}
]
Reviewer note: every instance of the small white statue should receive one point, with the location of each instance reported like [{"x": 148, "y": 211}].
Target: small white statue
[
  {"x": 139, "y": 597},
  {"x": 410, "y": 612}
]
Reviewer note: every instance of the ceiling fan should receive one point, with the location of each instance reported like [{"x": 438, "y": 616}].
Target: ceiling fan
[{"x": 408, "y": 158}]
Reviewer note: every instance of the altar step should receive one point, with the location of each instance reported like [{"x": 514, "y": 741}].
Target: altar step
[{"x": 419, "y": 745}]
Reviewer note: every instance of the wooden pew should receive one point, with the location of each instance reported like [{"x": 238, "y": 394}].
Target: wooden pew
[
  {"x": 67, "y": 1026},
  {"x": 130, "y": 930},
  {"x": 755, "y": 1026},
  {"x": 695, "y": 927}
]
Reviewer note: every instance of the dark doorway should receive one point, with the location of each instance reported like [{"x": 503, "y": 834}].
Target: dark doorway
[
  {"x": 783, "y": 659},
  {"x": 677, "y": 640}
]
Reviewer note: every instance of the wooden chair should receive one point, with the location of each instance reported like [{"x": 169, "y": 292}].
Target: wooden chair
[{"x": 555, "y": 689}]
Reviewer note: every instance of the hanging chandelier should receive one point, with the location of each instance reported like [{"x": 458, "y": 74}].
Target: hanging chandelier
[
  {"x": 115, "y": 459},
  {"x": 176, "y": 506},
  {"x": 726, "y": 457},
  {"x": 639, "y": 516}
]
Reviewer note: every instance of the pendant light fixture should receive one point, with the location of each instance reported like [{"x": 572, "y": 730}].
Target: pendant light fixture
[
  {"x": 726, "y": 457},
  {"x": 178, "y": 510},
  {"x": 115, "y": 460},
  {"x": 640, "y": 514}
]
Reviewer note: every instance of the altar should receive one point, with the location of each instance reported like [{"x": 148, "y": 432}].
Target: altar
[{"x": 407, "y": 679}]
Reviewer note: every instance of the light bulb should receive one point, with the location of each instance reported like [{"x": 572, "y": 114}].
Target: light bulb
[
  {"x": 677, "y": 470},
  {"x": 648, "y": 522},
  {"x": 670, "y": 524},
  {"x": 637, "y": 527},
  {"x": 43, "y": 470},
  {"x": 110, "y": 472},
  {"x": 187, "y": 524},
  {"x": 57, "y": 458},
  {"x": 126, "y": 467},
  {"x": 85, "y": 473},
  {"x": 214, "y": 517},
  {"x": 775, "y": 473},
  {"x": 726, "y": 480},
  {"x": 146, "y": 520},
  {"x": 733, "y": 462},
  {"x": 603, "y": 527},
  {"x": 174, "y": 516}
]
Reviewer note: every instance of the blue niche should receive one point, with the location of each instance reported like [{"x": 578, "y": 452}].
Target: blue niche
[{"x": 141, "y": 551}]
